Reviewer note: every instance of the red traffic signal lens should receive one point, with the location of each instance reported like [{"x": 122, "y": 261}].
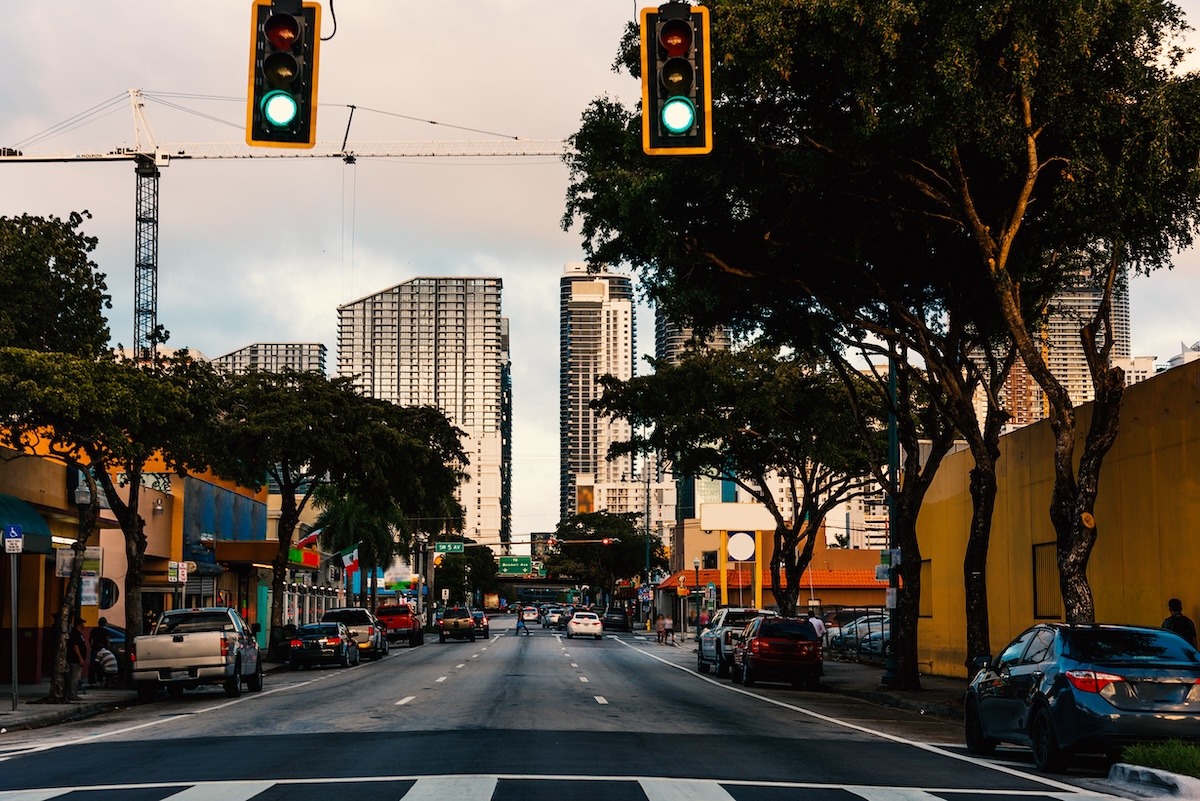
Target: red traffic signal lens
[
  {"x": 676, "y": 37},
  {"x": 678, "y": 76},
  {"x": 282, "y": 31}
]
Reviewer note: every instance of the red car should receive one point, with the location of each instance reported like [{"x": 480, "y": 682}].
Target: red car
[{"x": 778, "y": 649}]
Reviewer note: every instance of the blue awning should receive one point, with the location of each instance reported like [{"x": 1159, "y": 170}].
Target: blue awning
[{"x": 36, "y": 534}]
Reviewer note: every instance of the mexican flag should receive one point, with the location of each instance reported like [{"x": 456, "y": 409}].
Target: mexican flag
[
  {"x": 350, "y": 558},
  {"x": 310, "y": 539}
]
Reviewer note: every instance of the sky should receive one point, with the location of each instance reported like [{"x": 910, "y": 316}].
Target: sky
[{"x": 264, "y": 250}]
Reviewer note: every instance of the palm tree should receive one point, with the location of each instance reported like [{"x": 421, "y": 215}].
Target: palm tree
[{"x": 346, "y": 520}]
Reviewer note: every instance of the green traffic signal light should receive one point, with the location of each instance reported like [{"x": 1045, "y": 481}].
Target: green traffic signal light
[
  {"x": 281, "y": 106},
  {"x": 676, "y": 85}
]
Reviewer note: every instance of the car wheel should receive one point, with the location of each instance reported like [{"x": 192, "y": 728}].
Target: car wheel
[
  {"x": 977, "y": 742},
  {"x": 175, "y": 691},
  {"x": 598, "y": 636},
  {"x": 471, "y": 636},
  {"x": 747, "y": 674},
  {"x": 344, "y": 661},
  {"x": 233, "y": 684},
  {"x": 722, "y": 668},
  {"x": 735, "y": 674},
  {"x": 813, "y": 682},
  {"x": 1047, "y": 754},
  {"x": 441, "y": 638},
  {"x": 146, "y": 691},
  {"x": 255, "y": 682},
  {"x": 293, "y": 665},
  {"x": 701, "y": 665}
]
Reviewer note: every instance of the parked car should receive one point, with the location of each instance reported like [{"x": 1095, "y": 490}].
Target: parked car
[
  {"x": 191, "y": 647},
  {"x": 716, "y": 641},
  {"x": 322, "y": 644},
  {"x": 615, "y": 620},
  {"x": 365, "y": 628},
  {"x": 847, "y": 637},
  {"x": 876, "y": 645},
  {"x": 482, "y": 628},
  {"x": 1064, "y": 689},
  {"x": 456, "y": 622},
  {"x": 585, "y": 624},
  {"x": 400, "y": 622},
  {"x": 778, "y": 649}
]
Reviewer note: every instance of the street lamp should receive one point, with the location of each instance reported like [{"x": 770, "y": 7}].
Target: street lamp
[
  {"x": 699, "y": 597},
  {"x": 83, "y": 501}
]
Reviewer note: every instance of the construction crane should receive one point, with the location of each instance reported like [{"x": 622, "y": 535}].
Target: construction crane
[{"x": 149, "y": 158}]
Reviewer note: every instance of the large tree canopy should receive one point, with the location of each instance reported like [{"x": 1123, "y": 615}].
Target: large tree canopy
[{"x": 54, "y": 299}]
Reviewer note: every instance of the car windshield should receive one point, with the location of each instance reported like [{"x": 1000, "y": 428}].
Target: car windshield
[
  {"x": 788, "y": 630},
  {"x": 318, "y": 630},
  {"x": 393, "y": 610},
  {"x": 347, "y": 616},
  {"x": 453, "y": 613},
  {"x": 586, "y": 616},
  {"x": 1101, "y": 645},
  {"x": 740, "y": 619},
  {"x": 194, "y": 621}
]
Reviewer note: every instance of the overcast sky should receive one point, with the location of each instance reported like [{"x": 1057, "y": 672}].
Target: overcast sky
[{"x": 264, "y": 251}]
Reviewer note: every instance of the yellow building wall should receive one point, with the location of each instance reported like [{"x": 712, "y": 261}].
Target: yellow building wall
[{"x": 1147, "y": 516}]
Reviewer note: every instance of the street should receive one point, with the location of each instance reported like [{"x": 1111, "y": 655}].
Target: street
[{"x": 512, "y": 718}]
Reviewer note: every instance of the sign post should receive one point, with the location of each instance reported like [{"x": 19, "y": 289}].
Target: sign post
[{"x": 14, "y": 545}]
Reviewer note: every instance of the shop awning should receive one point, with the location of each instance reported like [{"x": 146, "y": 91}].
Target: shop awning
[{"x": 34, "y": 530}]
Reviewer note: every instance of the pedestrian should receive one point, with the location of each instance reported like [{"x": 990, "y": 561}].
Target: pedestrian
[
  {"x": 660, "y": 629},
  {"x": 1180, "y": 623},
  {"x": 97, "y": 639},
  {"x": 521, "y": 627},
  {"x": 669, "y": 626},
  {"x": 107, "y": 667},
  {"x": 818, "y": 624},
  {"x": 704, "y": 618},
  {"x": 76, "y": 658}
]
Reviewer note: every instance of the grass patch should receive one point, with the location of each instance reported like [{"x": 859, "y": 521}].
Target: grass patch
[{"x": 1173, "y": 756}]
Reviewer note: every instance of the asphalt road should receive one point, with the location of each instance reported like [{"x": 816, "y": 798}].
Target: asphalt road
[{"x": 512, "y": 718}]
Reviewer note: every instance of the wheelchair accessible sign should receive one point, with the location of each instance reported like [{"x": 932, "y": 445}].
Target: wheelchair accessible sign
[{"x": 14, "y": 539}]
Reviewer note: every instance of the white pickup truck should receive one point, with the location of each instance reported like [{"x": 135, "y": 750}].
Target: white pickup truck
[{"x": 190, "y": 647}]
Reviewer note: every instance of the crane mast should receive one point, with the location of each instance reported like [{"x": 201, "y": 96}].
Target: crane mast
[{"x": 148, "y": 157}]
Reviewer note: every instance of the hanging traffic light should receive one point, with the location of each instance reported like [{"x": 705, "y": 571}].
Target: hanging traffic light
[
  {"x": 676, "y": 81},
  {"x": 281, "y": 100}
]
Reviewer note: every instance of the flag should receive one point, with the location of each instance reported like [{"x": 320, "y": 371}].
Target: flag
[
  {"x": 350, "y": 558},
  {"x": 310, "y": 539}
]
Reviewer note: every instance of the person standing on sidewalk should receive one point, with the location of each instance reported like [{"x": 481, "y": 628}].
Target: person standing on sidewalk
[
  {"x": 97, "y": 641},
  {"x": 1180, "y": 623},
  {"x": 76, "y": 658}
]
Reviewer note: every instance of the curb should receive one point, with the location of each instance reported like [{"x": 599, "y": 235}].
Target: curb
[{"x": 1158, "y": 782}]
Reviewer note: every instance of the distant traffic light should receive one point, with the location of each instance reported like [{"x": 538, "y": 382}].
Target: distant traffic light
[
  {"x": 281, "y": 99},
  {"x": 676, "y": 81},
  {"x": 438, "y": 558},
  {"x": 606, "y": 541}
]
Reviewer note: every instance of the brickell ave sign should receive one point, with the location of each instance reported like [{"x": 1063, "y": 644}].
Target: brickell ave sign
[{"x": 516, "y": 565}]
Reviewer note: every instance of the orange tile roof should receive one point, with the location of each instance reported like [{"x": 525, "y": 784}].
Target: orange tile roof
[{"x": 820, "y": 579}]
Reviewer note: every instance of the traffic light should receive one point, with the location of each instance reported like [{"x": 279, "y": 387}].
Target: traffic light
[
  {"x": 438, "y": 558},
  {"x": 676, "y": 81},
  {"x": 606, "y": 541},
  {"x": 281, "y": 100}
]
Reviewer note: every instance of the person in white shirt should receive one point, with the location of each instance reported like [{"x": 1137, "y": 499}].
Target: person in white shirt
[{"x": 817, "y": 623}]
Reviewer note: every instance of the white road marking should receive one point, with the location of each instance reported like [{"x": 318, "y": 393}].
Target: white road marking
[
  {"x": 854, "y": 726},
  {"x": 460, "y": 788},
  {"x": 405, "y": 700},
  {"x": 584, "y": 679},
  {"x": 221, "y": 791},
  {"x": 474, "y": 656},
  {"x": 460, "y": 666},
  {"x": 683, "y": 790},
  {"x": 600, "y": 699},
  {"x": 574, "y": 664},
  {"x": 439, "y": 680}
]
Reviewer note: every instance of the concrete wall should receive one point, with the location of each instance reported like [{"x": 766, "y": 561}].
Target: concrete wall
[{"x": 1147, "y": 514}]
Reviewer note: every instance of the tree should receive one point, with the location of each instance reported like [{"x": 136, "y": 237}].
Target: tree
[
  {"x": 54, "y": 299},
  {"x": 346, "y": 521},
  {"x": 890, "y": 171},
  {"x": 755, "y": 417},
  {"x": 302, "y": 431},
  {"x": 107, "y": 418}
]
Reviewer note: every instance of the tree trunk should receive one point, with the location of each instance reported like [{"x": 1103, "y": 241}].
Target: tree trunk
[{"x": 983, "y": 503}]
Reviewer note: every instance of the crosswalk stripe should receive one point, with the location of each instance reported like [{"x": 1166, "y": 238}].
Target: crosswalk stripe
[
  {"x": 221, "y": 791},
  {"x": 683, "y": 790},
  {"x": 459, "y": 788},
  {"x": 31, "y": 795}
]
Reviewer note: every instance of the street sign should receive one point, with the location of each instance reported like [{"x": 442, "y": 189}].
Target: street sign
[
  {"x": 14, "y": 539},
  {"x": 516, "y": 565},
  {"x": 448, "y": 547}
]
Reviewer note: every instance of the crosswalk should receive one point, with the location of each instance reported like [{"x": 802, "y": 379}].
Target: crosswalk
[{"x": 527, "y": 788}]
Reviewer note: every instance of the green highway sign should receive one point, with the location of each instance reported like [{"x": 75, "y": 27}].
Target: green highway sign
[
  {"x": 516, "y": 565},
  {"x": 448, "y": 547}
]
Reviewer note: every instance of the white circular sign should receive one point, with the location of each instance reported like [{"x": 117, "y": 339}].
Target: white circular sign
[{"x": 741, "y": 546}]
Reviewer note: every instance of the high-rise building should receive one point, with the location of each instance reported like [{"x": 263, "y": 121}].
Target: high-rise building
[
  {"x": 597, "y": 332},
  {"x": 442, "y": 342},
  {"x": 274, "y": 357}
]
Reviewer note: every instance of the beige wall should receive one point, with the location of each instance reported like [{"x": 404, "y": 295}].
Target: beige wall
[{"x": 1147, "y": 514}]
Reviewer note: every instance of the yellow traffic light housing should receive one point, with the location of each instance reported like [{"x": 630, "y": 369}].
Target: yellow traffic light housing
[
  {"x": 281, "y": 98},
  {"x": 676, "y": 81}
]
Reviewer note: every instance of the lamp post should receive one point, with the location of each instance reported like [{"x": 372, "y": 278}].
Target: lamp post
[
  {"x": 83, "y": 501},
  {"x": 699, "y": 597}
]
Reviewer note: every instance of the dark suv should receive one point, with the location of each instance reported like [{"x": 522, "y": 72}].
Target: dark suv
[
  {"x": 458, "y": 623},
  {"x": 716, "y": 641},
  {"x": 368, "y": 633}
]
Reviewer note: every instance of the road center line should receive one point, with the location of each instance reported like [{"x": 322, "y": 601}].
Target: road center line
[
  {"x": 584, "y": 679},
  {"x": 439, "y": 680},
  {"x": 600, "y": 699},
  {"x": 405, "y": 700},
  {"x": 460, "y": 666}
]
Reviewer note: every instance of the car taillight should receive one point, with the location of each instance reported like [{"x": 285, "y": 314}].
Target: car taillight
[
  {"x": 755, "y": 646},
  {"x": 224, "y": 647},
  {"x": 296, "y": 644},
  {"x": 132, "y": 652},
  {"x": 1091, "y": 681},
  {"x": 333, "y": 640}
]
